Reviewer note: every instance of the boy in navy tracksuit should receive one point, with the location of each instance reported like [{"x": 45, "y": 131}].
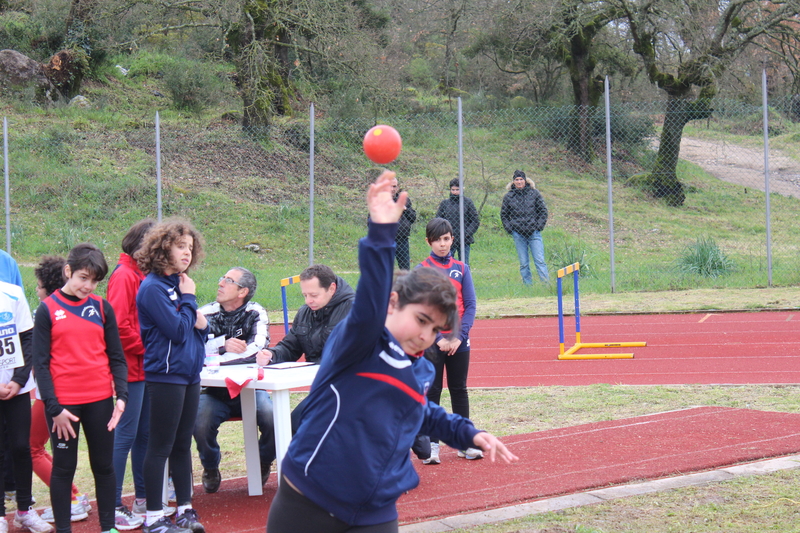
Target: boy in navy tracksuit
[{"x": 369, "y": 395}]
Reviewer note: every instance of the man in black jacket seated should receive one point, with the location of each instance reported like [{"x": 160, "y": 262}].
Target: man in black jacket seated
[{"x": 328, "y": 300}]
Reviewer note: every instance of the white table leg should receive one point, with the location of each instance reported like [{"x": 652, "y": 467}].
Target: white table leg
[
  {"x": 282, "y": 414},
  {"x": 251, "y": 451}
]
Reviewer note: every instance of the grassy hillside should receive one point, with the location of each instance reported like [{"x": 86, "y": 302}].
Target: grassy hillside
[{"x": 88, "y": 173}]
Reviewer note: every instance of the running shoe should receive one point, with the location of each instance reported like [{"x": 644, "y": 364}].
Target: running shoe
[
  {"x": 140, "y": 509},
  {"x": 189, "y": 520},
  {"x": 125, "y": 520},
  {"x": 164, "y": 525},
  {"x": 77, "y": 510},
  {"x": 3, "y": 525},
  {"x": 32, "y": 522},
  {"x": 434, "y": 458},
  {"x": 470, "y": 453},
  {"x": 84, "y": 499}
]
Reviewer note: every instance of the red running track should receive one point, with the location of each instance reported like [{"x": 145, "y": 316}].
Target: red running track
[
  {"x": 694, "y": 348},
  {"x": 701, "y": 348}
]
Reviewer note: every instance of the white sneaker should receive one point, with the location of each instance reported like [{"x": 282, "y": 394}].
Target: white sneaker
[
  {"x": 125, "y": 520},
  {"x": 32, "y": 522},
  {"x": 140, "y": 509},
  {"x": 471, "y": 453},
  {"x": 3, "y": 525},
  {"x": 434, "y": 458},
  {"x": 84, "y": 499},
  {"x": 77, "y": 513}
]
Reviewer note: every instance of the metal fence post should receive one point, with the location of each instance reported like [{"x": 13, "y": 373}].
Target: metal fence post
[
  {"x": 610, "y": 176},
  {"x": 766, "y": 175}
]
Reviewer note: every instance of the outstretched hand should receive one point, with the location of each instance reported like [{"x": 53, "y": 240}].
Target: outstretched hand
[
  {"x": 492, "y": 446},
  {"x": 382, "y": 207}
]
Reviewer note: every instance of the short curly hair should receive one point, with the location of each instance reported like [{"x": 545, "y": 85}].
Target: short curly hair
[
  {"x": 50, "y": 273},
  {"x": 154, "y": 253}
]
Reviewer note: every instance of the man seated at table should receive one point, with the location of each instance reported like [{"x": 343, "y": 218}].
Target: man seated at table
[
  {"x": 241, "y": 328},
  {"x": 328, "y": 300}
]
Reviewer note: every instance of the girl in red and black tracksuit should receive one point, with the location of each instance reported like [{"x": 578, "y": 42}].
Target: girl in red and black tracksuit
[
  {"x": 80, "y": 366},
  {"x": 369, "y": 395},
  {"x": 451, "y": 353},
  {"x": 132, "y": 431},
  {"x": 174, "y": 335}
]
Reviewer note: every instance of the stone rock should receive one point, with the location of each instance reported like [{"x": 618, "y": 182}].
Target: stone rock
[
  {"x": 18, "y": 70},
  {"x": 79, "y": 101}
]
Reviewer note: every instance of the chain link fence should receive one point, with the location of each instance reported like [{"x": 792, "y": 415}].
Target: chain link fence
[{"x": 683, "y": 213}]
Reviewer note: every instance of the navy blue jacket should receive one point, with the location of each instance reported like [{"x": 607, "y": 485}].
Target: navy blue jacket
[
  {"x": 368, "y": 392},
  {"x": 174, "y": 350}
]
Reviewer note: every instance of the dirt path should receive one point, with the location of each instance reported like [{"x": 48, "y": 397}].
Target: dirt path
[{"x": 744, "y": 166}]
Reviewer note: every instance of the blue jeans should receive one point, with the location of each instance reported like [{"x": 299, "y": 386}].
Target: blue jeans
[
  {"x": 536, "y": 246},
  {"x": 457, "y": 252},
  {"x": 131, "y": 436},
  {"x": 215, "y": 408}
]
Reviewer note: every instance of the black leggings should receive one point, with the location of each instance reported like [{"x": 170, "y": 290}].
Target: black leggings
[
  {"x": 457, "y": 366},
  {"x": 291, "y": 512},
  {"x": 94, "y": 418},
  {"x": 15, "y": 415},
  {"x": 173, "y": 410}
]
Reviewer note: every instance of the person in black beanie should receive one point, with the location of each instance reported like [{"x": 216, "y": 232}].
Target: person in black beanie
[
  {"x": 449, "y": 210},
  {"x": 524, "y": 216}
]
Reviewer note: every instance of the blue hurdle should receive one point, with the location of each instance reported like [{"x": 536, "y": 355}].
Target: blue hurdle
[
  {"x": 284, "y": 283},
  {"x": 574, "y": 269}
]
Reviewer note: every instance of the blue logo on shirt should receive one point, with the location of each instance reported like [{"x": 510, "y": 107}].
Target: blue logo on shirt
[{"x": 6, "y": 317}]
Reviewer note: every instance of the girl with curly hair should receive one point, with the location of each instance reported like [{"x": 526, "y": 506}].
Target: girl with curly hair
[{"x": 173, "y": 334}]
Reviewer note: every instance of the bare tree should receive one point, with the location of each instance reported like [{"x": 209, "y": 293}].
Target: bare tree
[{"x": 685, "y": 46}]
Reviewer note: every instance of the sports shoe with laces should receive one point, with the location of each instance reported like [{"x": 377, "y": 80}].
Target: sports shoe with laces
[
  {"x": 84, "y": 499},
  {"x": 140, "y": 509},
  {"x": 163, "y": 525},
  {"x": 3, "y": 525},
  {"x": 78, "y": 512},
  {"x": 189, "y": 520},
  {"x": 471, "y": 453},
  {"x": 125, "y": 520},
  {"x": 434, "y": 458},
  {"x": 32, "y": 522}
]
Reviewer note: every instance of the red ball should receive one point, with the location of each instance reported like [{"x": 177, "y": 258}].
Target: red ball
[{"x": 382, "y": 144}]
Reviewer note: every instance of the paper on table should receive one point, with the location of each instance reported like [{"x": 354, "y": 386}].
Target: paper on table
[{"x": 287, "y": 364}]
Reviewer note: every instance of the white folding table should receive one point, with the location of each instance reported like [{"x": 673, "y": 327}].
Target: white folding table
[{"x": 279, "y": 381}]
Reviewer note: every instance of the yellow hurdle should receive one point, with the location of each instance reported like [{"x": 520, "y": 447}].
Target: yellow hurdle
[{"x": 571, "y": 353}]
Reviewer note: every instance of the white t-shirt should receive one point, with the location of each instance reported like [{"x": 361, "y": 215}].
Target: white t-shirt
[{"x": 14, "y": 311}]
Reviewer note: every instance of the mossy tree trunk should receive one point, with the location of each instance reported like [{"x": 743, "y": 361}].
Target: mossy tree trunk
[
  {"x": 260, "y": 47},
  {"x": 664, "y": 180},
  {"x": 711, "y": 36},
  {"x": 578, "y": 53}
]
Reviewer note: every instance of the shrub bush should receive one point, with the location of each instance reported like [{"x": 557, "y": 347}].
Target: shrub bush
[
  {"x": 704, "y": 258},
  {"x": 192, "y": 85}
]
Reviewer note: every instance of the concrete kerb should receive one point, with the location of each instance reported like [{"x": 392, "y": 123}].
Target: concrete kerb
[{"x": 602, "y": 495}]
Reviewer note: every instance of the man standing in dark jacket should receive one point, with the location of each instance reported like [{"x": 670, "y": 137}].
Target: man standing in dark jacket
[
  {"x": 524, "y": 216},
  {"x": 449, "y": 210},
  {"x": 403, "y": 230},
  {"x": 328, "y": 300}
]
